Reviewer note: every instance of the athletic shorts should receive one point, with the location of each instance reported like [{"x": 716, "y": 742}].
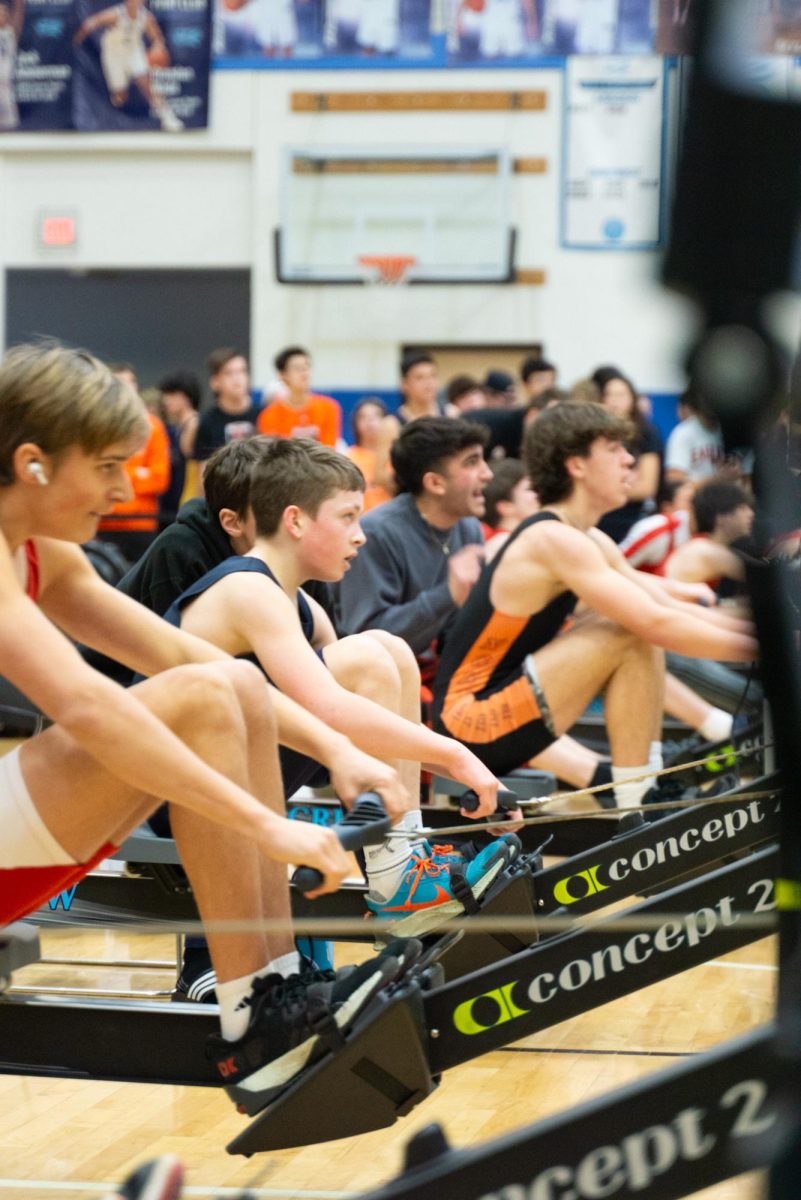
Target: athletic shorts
[
  {"x": 33, "y": 866},
  {"x": 506, "y": 726}
]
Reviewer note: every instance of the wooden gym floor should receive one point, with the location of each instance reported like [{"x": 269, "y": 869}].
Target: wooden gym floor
[{"x": 66, "y": 1138}]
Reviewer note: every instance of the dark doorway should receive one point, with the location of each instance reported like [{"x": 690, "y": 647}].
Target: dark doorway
[{"x": 156, "y": 320}]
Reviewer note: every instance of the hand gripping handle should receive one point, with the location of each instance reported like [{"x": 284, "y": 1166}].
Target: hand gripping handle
[
  {"x": 507, "y": 801},
  {"x": 366, "y": 824}
]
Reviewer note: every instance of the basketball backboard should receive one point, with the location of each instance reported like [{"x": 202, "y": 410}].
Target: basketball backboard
[{"x": 447, "y": 209}]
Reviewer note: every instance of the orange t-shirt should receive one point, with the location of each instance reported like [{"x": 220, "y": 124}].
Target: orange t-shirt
[
  {"x": 320, "y": 418},
  {"x": 149, "y": 473},
  {"x": 374, "y": 493}
]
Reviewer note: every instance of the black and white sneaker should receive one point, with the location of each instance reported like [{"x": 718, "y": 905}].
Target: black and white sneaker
[
  {"x": 197, "y": 981},
  {"x": 160, "y": 1179},
  {"x": 295, "y": 1021}
]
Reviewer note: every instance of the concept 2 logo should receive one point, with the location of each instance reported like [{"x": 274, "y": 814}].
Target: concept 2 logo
[{"x": 602, "y": 877}]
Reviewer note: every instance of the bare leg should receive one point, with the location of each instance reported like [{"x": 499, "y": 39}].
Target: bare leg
[
  {"x": 83, "y": 805},
  {"x": 685, "y": 704},
  {"x": 380, "y": 668},
  {"x": 568, "y": 760},
  {"x": 599, "y": 656}
]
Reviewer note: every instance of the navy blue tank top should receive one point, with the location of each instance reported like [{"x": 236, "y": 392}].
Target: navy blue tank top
[{"x": 232, "y": 566}]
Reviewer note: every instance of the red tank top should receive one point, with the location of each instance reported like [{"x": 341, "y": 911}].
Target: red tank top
[{"x": 32, "y": 562}]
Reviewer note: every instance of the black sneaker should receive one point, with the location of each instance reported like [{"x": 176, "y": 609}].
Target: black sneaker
[
  {"x": 197, "y": 981},
  {"x": 671, "y": 789},
  {"x": 294, "y": 1023},
  {"x": 161, "y": 1179}
]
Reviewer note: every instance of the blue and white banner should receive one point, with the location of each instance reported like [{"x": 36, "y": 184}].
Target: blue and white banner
[
  {"x": 613, "y": 152},
  {"x": 141, "y": 64},
  {"x": 496, "y": 31},
  {"x": 323, "y": 33},
  {"x": 36, "y": 65}
]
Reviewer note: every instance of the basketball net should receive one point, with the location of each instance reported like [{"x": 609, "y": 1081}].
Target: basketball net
[{"x": 386, "y": 268}]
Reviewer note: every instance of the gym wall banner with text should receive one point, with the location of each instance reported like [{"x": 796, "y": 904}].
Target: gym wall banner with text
[{"x": 93, "y": 66}]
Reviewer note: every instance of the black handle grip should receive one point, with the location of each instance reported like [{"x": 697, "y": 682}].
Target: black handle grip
[
  {"x": 366, "y": 824},
  {"x": 507, "y": 801}
]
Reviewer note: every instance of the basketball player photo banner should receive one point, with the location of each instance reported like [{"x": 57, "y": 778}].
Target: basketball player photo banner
[
  {"x": 265, "y": 34},
  {"x": 141, "y": 65},
  {"x": 35, "y": 64},
  {"x": 614, "y": 150},
  {"x": 497, "y": 32}
]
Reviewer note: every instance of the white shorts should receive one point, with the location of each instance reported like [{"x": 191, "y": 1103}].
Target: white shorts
[
  {"x": 25, "y": 840},
  {"x": 378, "y": 27},
  {"x": 275, "y": 24},
  {"x": 502, "y": 29},
  {"x": 120, "y": 66}
]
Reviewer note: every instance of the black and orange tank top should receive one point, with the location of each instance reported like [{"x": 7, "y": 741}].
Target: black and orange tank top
[{"x": 485, "y": 645}]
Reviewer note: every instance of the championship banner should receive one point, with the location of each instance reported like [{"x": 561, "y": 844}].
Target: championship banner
[
  {"x": 257, "y": 34},
  {"x": 35, "y": 65},
  {"x": 141, "y": 65},
  {"x": 613, "y": 153}
]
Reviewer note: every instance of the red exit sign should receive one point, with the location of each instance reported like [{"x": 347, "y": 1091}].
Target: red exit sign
[{"x": 58, "y": 231}]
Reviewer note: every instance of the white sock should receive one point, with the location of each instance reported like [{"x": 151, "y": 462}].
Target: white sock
[
  {"x": 234, "y": 1013},
  {"x": 286, "y": 965},
  {"x": 629, "y": 794},
  {"x": 717, "y": 725},
  {"x": 387, "y": 862},
  {"x": 655, "y": 760}
]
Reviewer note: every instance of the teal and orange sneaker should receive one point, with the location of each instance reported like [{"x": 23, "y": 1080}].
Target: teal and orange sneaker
[{"x": 425, "y": 896}]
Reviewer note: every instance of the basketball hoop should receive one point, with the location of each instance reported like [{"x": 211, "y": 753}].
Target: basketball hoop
[{"x": 386, "y": 268}]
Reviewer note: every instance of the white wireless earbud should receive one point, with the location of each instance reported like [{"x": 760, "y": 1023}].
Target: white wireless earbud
[{"x": 37, "y": 470}]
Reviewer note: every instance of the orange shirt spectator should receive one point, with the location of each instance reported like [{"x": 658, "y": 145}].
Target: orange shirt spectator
[
  {"x": 320, "y": 418},
  {"x": 374, "y": 493},
  {"x": 149, "y": 473},
  {"x": 375, "y": 431},
  {"x": 299, "y": 412}
]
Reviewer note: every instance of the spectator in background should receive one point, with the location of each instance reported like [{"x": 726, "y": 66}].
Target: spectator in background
[
  {"x": 536, "y": 375},
  {"x": 424, "y": 549},
  {"x": 180, "y": 400},
  {"x": 133, "y": 524},
  {"x": 585, "y": 391},
  {"x": 464, "y": 394},
  {"x": 651, "y": 541},
  {"x": 507, "y": 426},
  {"x": 695, "y": 450},
  {"x": 499, "y": 388},
  {"x": 723, "y": 517},
  {"x": 374, "y": 431},
  {"x": 509, "y": 500},
  {"x": 619, "y": 396},
  {"x": 299, "y": 412},
  {"x": 419, "y": 384},
  {"x": 233, "y": 416}
]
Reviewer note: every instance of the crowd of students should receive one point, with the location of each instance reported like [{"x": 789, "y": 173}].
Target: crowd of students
[{"x": 300, "y": 634}]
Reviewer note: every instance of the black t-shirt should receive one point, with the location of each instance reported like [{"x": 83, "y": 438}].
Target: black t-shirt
[{"x": 218, "y": 428}]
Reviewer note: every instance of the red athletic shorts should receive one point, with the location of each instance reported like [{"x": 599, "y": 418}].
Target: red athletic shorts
[{"x": 24, "y": 889}]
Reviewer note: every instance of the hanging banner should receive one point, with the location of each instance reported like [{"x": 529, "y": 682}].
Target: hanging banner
[
  {"x": 141, "y": 66},
  {"x": 612, "y": 166},
  {"x": 35, "y": 65},
  {"x": 323, "y": 33},
  {"x": 491, "y": 31}
]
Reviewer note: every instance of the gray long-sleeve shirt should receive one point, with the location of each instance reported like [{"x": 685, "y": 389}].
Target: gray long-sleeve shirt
[{"x": 399, "y": 581}]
